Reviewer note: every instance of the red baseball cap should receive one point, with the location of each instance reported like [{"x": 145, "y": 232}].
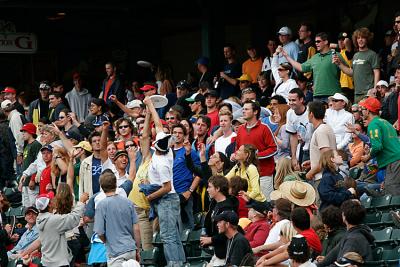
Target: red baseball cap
[
  {"x": 372, "y": 104},
  {"x": 29, "y": 128},
  {"x": 148, "y": 87},
  {"x": 9, "y": 90}
]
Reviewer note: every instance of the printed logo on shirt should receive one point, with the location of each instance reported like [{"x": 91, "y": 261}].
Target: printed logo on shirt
[
  {"x": 359, "y": 62},
  {"x": 96, "y": 170}
]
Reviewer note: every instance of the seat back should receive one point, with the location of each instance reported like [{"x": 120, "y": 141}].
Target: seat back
[
  {"x": 383, "y": 235},
  {"x": 395, "y": 202},
  {"x": 391, "y": 255},
  {"x": 381, "y": 202},
  {"x": 374, "y": 217},
  {"x": 366, "y": 202}
]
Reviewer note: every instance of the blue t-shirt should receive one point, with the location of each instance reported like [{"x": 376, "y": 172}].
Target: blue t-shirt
[
  {"x": 183, "y": 177},
  {"x": 226, "y": 89},
  {"x": 96, "y": 171},
  {"x": 108, "y": 222}
]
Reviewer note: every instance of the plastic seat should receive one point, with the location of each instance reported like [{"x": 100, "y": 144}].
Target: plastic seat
[
  {"x": 196, "y": 264},
  {"x": 395, "y": 202},
  {"x": 381, "y": 202},
  {"x": 377, "y": 258},
  {"x": 185, "y": 236},
  {"x": 157, "y": 240},
  {"x": 383, "y": 236},
  {"x": 149, "y": 257},
  {"x": 372, "y": 218},
  {"x": 17, "y": 212},
  {"x": 385, "y": 221},
  {"x": 193, "y": 248},
  {"x": 355, "y": 173},
  {"x": 366, "y": 202},
  {"x": 391, "y": 257},
  {"x": 199, "y": 220}
]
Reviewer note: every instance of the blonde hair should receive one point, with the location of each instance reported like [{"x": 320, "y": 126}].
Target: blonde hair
[
  {"x": 288, "y": 231},
  {"x": 326, "y": 160},
  {"x": 282, "y": 109},
  {"x": 283, "y": 169}
]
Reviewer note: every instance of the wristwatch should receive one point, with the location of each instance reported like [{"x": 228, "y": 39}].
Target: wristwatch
[{"x": 191, "y": 190}]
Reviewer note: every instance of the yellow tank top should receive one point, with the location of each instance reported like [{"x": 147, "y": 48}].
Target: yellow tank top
[
  {"x": 345, "y": 80},
  {"x": 138, "y": 198}
]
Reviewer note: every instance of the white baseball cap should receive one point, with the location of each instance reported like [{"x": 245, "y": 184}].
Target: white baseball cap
[
  {"x": 338, "y": 96},
  {"x": 5, "y": 103},
  {"x": 42, "y": 201},
  {"x": 134, "y": 104},
  {"x": 382, "y": 82},
  {"x": 285, "y": 31}
]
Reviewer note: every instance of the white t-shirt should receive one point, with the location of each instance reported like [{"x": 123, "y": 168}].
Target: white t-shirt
[
  {"x": 109, "y": 165},
  {"x": 160, "y": 170},
  {"x": 337, "y": 120},
  {"x": 274, "y": 233},
  {"x": 222, "y": 142},
  {"x": 299, "y": 124}
]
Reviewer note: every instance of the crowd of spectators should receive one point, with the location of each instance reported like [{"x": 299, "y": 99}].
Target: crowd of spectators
[{"x": 266, "y": 150}]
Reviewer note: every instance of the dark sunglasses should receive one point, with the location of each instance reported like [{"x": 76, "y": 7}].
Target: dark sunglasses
[
  {"x": 123, "y": 126},
  {"x": 318, "y": 41},
  {"x": 128, "y": 146},
  {"x": 61, "y": 117},
  {"x": 170, "y": 118}
]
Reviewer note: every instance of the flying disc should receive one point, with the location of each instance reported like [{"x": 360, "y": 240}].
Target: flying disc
[
  {"x": 159, "y": 101},
  {"x": 144, "y": 64}
]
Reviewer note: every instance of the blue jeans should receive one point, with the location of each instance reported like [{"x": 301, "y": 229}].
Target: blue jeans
[
  {"x": 361, "y": 187},
  {"x": 188, "y": 209},
  {"x": 168, "y": 210}
]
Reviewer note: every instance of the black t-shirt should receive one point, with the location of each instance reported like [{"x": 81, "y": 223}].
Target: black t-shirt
[
  {"x": 226, "y": 89},
  {"x": 237, "y": 248},
  {"x": 303, "y": 52}
]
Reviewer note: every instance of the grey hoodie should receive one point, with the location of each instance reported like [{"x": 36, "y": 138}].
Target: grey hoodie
[{"x": 52, "y": 228}]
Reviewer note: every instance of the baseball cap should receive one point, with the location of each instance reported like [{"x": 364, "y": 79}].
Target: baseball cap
[
  {"x": 203, "y": 61},
  {"x": 9, "y": 90},
  {"x": 44, "y": 85},
  {"x": 42, "y": 201},
  {"x": 285, "y": 31},
  {"x": 196, "y": 97},
  {"x": 162, "y": 141},
  {"x": 74, "y": 135},
  {"x": 211, "y": 93},
  {"x": 245, "y": 77},
  {"x": 261, "y": 207},
  {"x": 29, "y": 128},
  {"x": 350, "y": 258},
  {"x": 338, "y": 96},
  {"x": 382, "y": 82},
  {"x": 134, "y": 104},
  {"x": 183, "y": 84},
  {"x": 148, "y": 87},
  {"x": 47, "y": 147},
  {"x": 120, "y": 153},
  {"x": 228, "y": 216},
  {"x": 298, "y": 246},
  {"x": 372, "y": 104},
  {"x": 342, "y": 35},
  {"x": 84, "y": 145},
  {"x": 31, "y": 209},
  {"x": 5, "y": 104}
]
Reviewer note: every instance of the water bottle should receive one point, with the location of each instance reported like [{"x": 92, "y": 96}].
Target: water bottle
[
  {"x": 19, "y": 263},
  {"x": 203, "y": 232}
]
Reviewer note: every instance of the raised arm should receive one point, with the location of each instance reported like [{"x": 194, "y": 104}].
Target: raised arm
[
  {"x": 157, "y": 122},
  {"x": 103, "y": 141},
  {"x": 293, "y": 62},
  {"x": 145, "y": 139},
  {"x": 121, "y": 105}
]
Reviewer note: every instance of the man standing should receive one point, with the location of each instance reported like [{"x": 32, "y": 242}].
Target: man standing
[
  {"x": 112, "y": 85},
  {"x": 56, "y": 105},
  {"x": 228, "y": 135},
  {"x": 39, "y": 108},
  {"x": 230, "y": 73},
  {"x": 306, "y": 45},
  {"x": 203, "y": 66},
  {"x": 253, "y": 65},
  {"x": 31, "y": 149},
  {"x": 322, "y": 140},
  {"x": 291, "y": 48},
  {"x": 79, "y": 98},
  {"x": 325, "y": 73},
  {"x": 11, "y": 94},
  {"x": 116, "y": 224},
  {"x": 184, "y": 181},
  {"x": 385, "y": 144},
  {"x": 299, "y": 128},
  {"x": 260, "y": 136},
  {"x": 6, "y": 152},
  {"x": 366, "y": 67},
  {"x": 237, "y": 246},
  {"x": 212, "y": 109}
]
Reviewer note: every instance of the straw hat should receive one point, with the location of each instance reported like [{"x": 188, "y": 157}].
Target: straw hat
[{"x": 300, "y": 193}]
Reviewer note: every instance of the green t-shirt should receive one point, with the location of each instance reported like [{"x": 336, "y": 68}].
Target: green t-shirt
[
  {"x": 30, "y": 154},
  {"x": 385, "y": 145},
  {"x": 364, "y": 63},
  {"x": 325, "y": 73}
]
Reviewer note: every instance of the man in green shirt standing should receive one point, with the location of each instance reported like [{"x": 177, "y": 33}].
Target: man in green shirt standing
[
  {"x": 385, "y": 144},
  {"x": 325, "y": 73},
  {"x": 366, "y": 67}
]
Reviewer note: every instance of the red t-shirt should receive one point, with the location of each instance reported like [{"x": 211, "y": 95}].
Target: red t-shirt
[
  {"x": 312, "y": 240},
  {"x": 107, "y": 88},
  {"x": 45, "y": 179},
  {"x": 214, "y": 119}
]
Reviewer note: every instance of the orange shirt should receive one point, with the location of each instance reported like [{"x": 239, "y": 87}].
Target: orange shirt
[
  {"x": 252, "y": 68},
  {"x": 107, "y": 89}
]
